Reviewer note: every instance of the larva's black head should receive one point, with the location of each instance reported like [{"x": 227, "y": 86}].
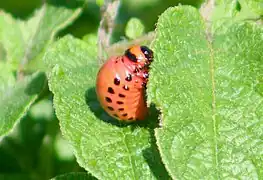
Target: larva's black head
[
  {"x": 147, "y": 53},
  {"x": 141, "y": 55}
]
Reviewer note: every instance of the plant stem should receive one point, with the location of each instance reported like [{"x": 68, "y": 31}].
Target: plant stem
[{"x": 108, "y": 14}]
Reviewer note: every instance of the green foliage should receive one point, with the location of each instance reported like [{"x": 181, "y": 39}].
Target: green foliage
[
  {"x": 205, "y": 91},
  {"x": 22, "y": 44},
  {"x": 134, "y": 28}
]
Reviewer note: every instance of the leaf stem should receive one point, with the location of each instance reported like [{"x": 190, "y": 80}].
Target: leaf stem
[{"x": 108, "y": 14}]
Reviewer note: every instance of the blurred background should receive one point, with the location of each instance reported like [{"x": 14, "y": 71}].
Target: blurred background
[{"x": 36, "y": 149}]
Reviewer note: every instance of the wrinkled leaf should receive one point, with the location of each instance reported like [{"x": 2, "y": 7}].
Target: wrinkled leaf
[
  {"x": 104, "y": 147},
  {"x": 209, "y": 90}
]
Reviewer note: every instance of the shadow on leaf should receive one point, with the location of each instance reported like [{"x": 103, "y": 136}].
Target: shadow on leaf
[
  {"x": 94, "y": 105},
  {"x": 153, "y": 158},
  {"x": 150, "y": 154},
  {"x": 36, "y": 84}
]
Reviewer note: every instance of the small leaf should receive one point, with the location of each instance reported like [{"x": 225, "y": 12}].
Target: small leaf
[
  {"x": 206, "y": 88},
  {"x": 74, "y": 176},
  {"x": 104, "y": 147},
  {"x": 134, "y": 28},
  {"x": 15, "y": 100}
]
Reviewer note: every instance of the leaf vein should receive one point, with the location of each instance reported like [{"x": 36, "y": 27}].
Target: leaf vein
[{"x": 212, "y": 73}]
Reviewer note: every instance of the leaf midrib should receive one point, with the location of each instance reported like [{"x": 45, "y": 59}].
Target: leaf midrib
[
  {"x": 129, "y": 155},
  {"x": 212, "y": 73}
]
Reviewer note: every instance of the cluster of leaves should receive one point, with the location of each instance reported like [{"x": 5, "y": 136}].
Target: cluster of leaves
[{"x": 206, "y": 80}]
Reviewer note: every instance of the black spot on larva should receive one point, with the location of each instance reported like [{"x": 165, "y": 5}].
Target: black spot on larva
[
  {"x": 128, "y": 78},
  {"x": 116, "y": 81},
  {"x": 131, "y": 118},
  {"x": 124, "y": 115},
  {"x": 121, "y": 109},
  {"x": 116, "y": 61},
  {"x": 122, "y": 60},
  {"x": 115, "y": 115},
  {"x": 110, "y": 90},
  {"x": 125, "y": 87},
  {"x": 119, "y": 102},
  {"x": 130, "y": 56},
  {"x": 110, "y": 108},
  {"x": 121, "y": 95},
  {"x": 136, "y": 70},
  {"x": 108, "y": 99}
]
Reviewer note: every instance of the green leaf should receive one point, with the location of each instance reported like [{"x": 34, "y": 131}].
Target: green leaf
[
  {"x": 248, "y": 10},
  {"x": 11, "y": 38},
  {"x": 16, "y": 99},
  {"x": 24, "y": 41},
  {"x": 7, "y": 78},
  {"x": 104, "y": 147},
  {"x": 225, "y": 9},
  {"x": 228, "y": 12},
  {"x": 74, "y": 176},
  {"x": 255, "y": 5},
  {"x": 208, "y": 90},
  {"x": 134, "y": 28}
]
